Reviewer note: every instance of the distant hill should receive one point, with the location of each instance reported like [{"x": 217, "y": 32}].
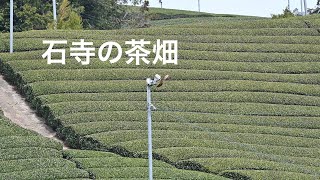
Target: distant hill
[
  {"x": 163, "y": 13},
  {"x": 162, "y": 16}
]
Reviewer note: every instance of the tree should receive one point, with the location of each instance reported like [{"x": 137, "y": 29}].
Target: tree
[
  {"x": 68, "y": 18},
  {"x": 137, "y": 18},
  {"x": 30, "y": 19},
  {"x": 28, "y": 14},
  {"x": 37, "y": 14},
  {"x": 104, "y": 14},
  {"x": 286, "y": 14}
]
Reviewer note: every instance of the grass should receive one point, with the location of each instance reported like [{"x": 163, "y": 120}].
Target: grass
[{"x": 242, "y": 103}]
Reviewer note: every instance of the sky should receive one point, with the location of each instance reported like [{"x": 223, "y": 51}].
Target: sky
[{"x": 242, "y": 7}]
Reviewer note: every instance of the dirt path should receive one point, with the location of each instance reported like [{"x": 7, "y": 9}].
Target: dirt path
[{"x": 17, "y": 110}]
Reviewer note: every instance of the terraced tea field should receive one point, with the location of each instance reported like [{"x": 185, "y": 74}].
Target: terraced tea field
[
  {"x": 243, "y": 101},
  {"x": 155, "y": 14},
  {"x": 111, "y": 166},
  {"x": 26, "y": 155}
]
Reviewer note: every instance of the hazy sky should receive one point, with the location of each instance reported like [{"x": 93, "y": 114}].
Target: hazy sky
[{"x": 245, "y": 7}]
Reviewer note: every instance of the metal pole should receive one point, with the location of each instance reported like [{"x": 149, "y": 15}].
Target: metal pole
[
  {"x": 288, "y": 4},
  {"x": 149, "y": 131},
  {"x": 305, "y": 7},
  {"x": 54, "y": 4},
  {"x": 301, "y": 5},
  {"x": 199, "y": 5},
  {"x": 11, "y": 26}
]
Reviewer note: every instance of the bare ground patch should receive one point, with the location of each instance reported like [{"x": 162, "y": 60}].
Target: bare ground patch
[{"x": 17, "y": 110}]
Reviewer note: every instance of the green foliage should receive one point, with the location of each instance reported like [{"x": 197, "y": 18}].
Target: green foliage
[
  {"x": 68, "y": 18},
  {"x": 135, "y": 18},
  {"x": 269, "y": 121},
  {"x": 286, "y": 14},
  {"x": 190, "y": 34},
  {"x": 29, "y": 152},
  {"x": 100, "y": 14},
  {"x": 30, "y": 164},
  {"x": 138, "y": 74},
  {"x": 159, "y": 173},
  {"x": 27, "y": 141},
  {"x": 8, "y": 129},
  {"x": 160, "y": 14},
  {"x": 129, "y": 168},
  {"x": 28, "y": 15},
  {"x": 46, "y": 173},
  {"x": 237, "y": 163},
  {"x": 261, "y": 67},
  {"x": 250, "y": 24},
  {"x": 54, "y": 87},
  {"x": 25, "y": 154},
  {"x": 266, "y": 174},
  {"x": 213, "y": 149},
  {"x": 99, "y": 127},
  {"x": 87, "y": 154},
  {"x": 37, "y": 14},
  {"x": 30, "y": 19},
  {"x": 185, "y": 47},
  {"x": 191, "y": 20},
  {"x": 244, "y": 97},
  {"x": 206, "y": 38}
]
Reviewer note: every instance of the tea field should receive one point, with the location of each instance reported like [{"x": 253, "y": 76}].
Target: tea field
[
  {"x": 243, "y": 102},
  {"x": 104, "y": 165},
  {"x": 155, "y": 14},
  {"x": 26, "y": 155}
]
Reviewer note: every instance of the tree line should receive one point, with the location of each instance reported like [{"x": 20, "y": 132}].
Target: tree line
[{"x": 72, "y": 14}]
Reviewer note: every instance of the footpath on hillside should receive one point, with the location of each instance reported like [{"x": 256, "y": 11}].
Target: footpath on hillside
[{"x": 17, "y": 110}]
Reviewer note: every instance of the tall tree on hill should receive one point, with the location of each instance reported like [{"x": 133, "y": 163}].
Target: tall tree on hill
[{"x": 68, "y": 17}]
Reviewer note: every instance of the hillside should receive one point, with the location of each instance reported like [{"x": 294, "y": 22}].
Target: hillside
[
  {"x": 243, "y": 102},
  {"x": 163, "y": 13},
  {"x": 111, "y": 166},
  {"x": 193, "y": 20},
  {"x": 163, "y": 16},
  {"x": 26, "y": 155}
]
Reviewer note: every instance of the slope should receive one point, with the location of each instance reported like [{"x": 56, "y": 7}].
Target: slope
[
  {"x": 103, "y": 165},
  {"x": 27, "y": 155},
  {"x": 243, "y": 101}
]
